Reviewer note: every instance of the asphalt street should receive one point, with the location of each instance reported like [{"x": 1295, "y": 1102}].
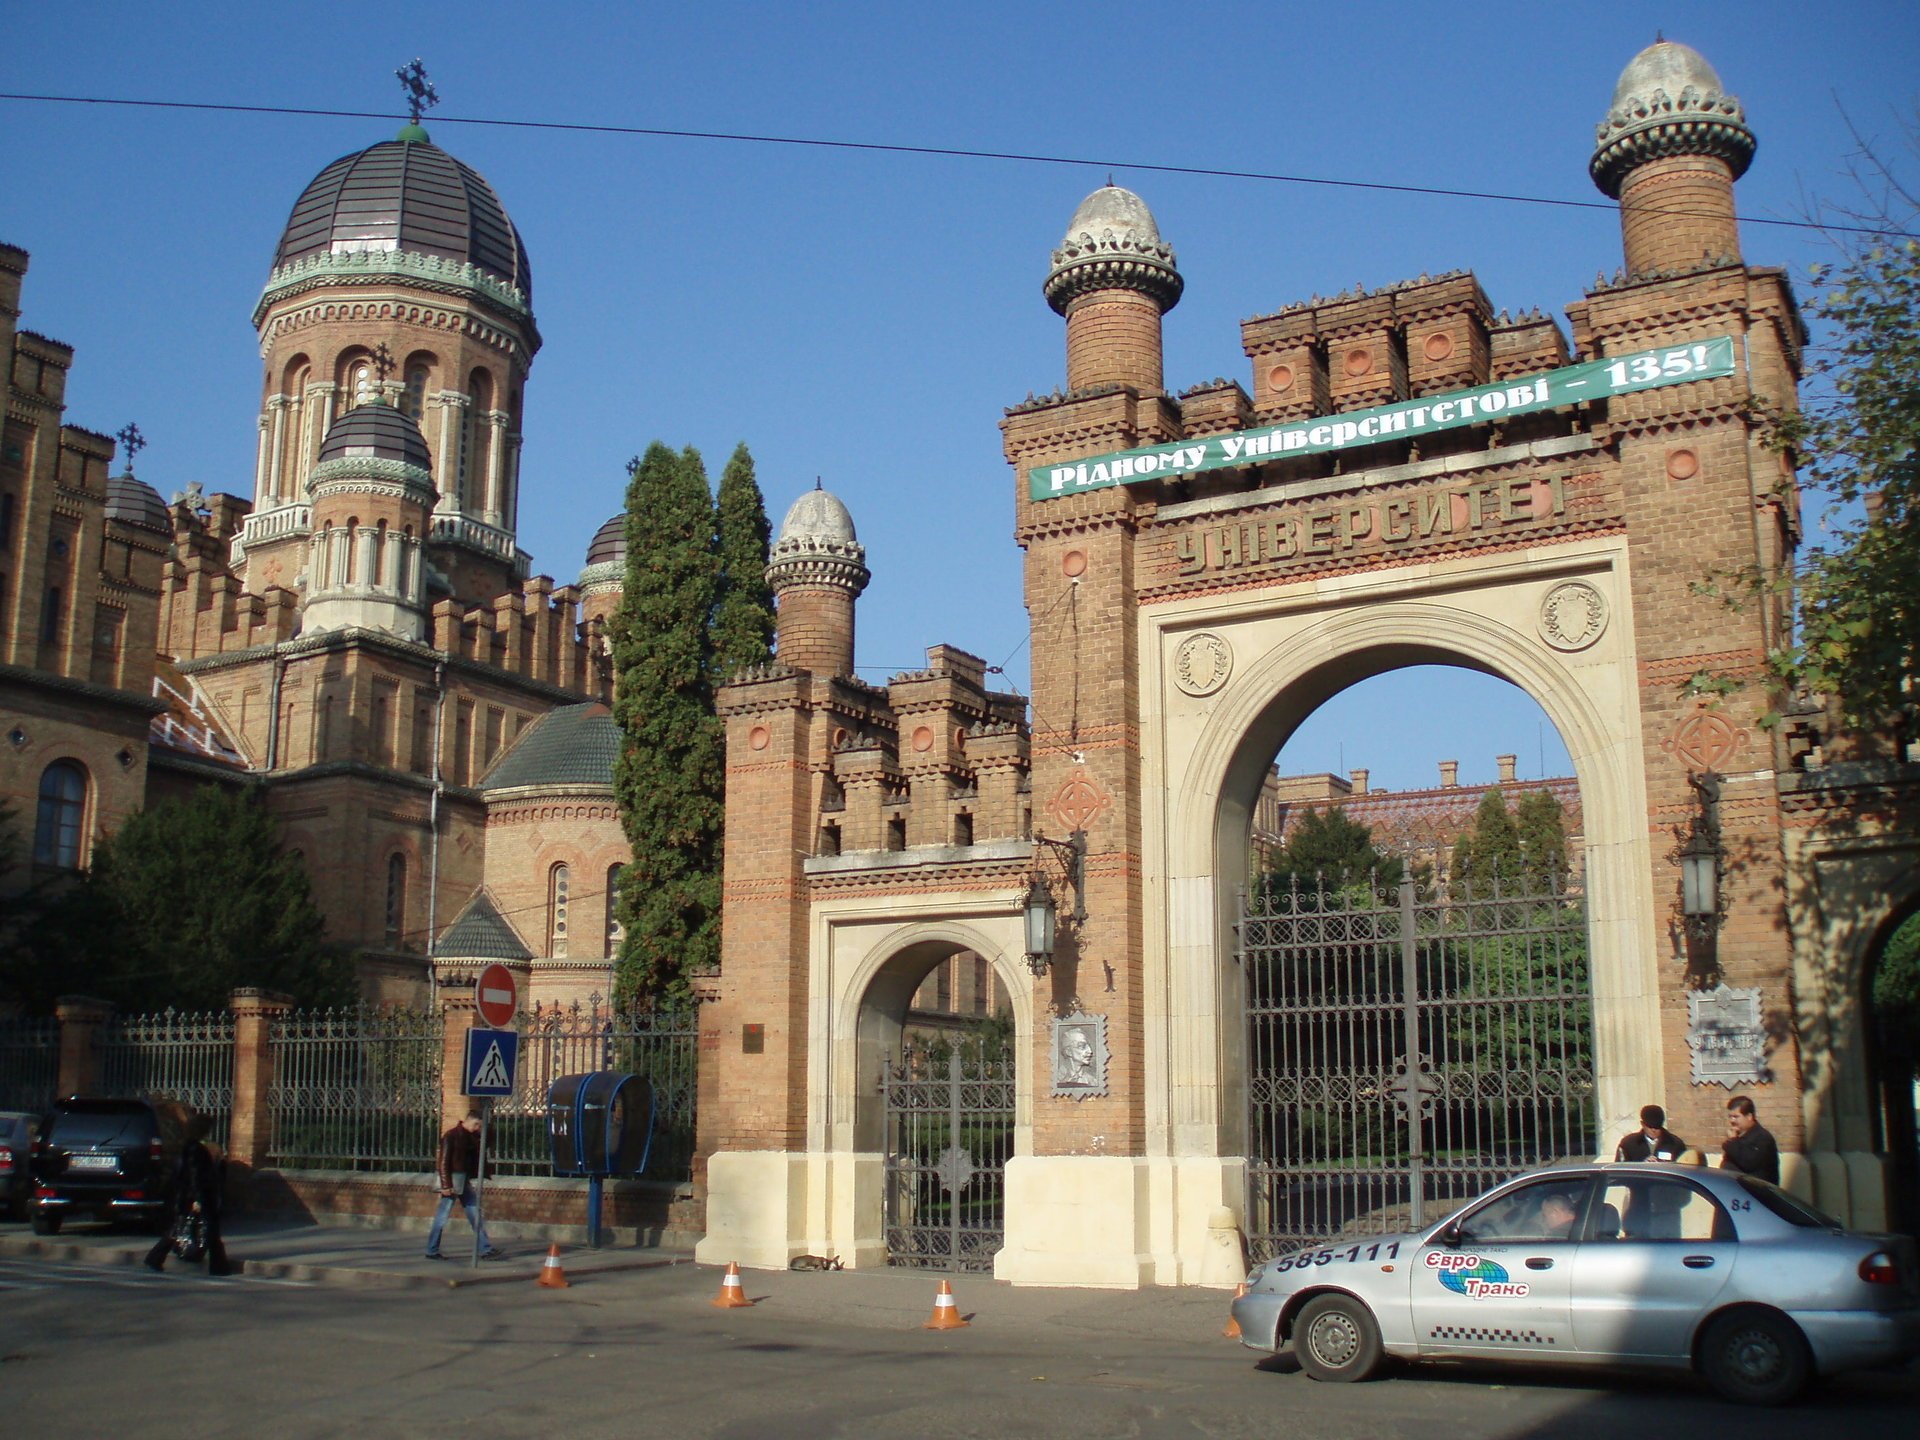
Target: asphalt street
[{"x": 104, "y": 1348}]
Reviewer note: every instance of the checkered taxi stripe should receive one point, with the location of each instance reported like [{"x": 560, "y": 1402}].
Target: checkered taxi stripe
[{"x": 1486, "y": 1335}]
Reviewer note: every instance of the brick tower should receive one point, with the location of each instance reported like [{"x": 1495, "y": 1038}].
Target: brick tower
[
  {"x": 1113, "y": 278},
  {"x": 817, "y": 568},
  {"x": 372, "y": 499}
]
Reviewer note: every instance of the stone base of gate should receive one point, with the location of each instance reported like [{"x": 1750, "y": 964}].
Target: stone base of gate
[
  {"x": 1117, "y": 1222},
  {"x": 766, "y": 1206}
]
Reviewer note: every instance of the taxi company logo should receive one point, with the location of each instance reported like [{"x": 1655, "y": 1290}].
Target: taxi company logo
[{"x": 1474, "y": 1277}]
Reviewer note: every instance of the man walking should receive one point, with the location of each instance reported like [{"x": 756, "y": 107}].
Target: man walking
[
  {"x": 459, "y": 1163},
  {"x": 1750, "y": 1147}
]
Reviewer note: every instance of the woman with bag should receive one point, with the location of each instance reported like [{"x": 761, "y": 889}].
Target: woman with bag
[{"x": 197, "y": 1183}]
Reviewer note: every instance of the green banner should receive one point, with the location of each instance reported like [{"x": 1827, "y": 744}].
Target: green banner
[{"x": 1572, "y": 385}]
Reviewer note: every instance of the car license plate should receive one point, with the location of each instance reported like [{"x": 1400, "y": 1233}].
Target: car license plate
[{"x": 94, "y": 1162}]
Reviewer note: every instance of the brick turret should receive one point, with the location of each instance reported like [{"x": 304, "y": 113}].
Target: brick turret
[
  {"x": 817, "y": 568},
  {"x": 1113, "y": 277},
  {"x": 1669, "y": 151}
]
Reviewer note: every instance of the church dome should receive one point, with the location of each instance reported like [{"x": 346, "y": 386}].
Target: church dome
[
  {"x": 609, "y": 543},
  {"x": 1113, "y": 243},
  {"x": 1668, "y": 101},
  {"x": 406, "y": 195},
  {"x": 375, "y": 432},
  {"x": 136, "y": 503}
]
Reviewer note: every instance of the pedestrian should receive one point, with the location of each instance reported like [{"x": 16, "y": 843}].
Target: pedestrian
[
  {"x": 1750, "y": 1147},
  {"x": 1652, "y": 1141},
  {"x": 459, "y": 1163},
  {"x": 198, "y": 1178}
]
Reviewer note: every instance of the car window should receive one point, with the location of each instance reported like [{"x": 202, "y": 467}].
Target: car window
[
  {"x": 1794, "y": 1212},
  {"x": 1544, "y": 1210},
  {"x": 1658, "y": 1208},
  {"x": 88, "y": 1127}
]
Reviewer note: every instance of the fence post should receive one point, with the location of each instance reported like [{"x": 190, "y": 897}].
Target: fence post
[
  {"x": 250, "y": 1128},
  {"x": 80, "y": 1018}
]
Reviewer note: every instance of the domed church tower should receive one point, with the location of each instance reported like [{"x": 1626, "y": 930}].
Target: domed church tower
[
  {"x": 399, "y": 277},
  {"x": 372, "y": 500}
]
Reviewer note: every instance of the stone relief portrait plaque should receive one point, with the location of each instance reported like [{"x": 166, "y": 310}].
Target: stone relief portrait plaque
[
  {"x": 1079, "y": 1056},
  {"x": 1726, "y": 1036}
]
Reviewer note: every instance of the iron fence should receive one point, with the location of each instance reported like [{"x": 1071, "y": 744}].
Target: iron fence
[
  {"x": 29, "y": 1063},
  {"x": 660, "y": 1043},
  {"x": 1406, "y": 1052},
  {"x": 173, "y": 1055},
  {"x": 356, "y": 1088}
]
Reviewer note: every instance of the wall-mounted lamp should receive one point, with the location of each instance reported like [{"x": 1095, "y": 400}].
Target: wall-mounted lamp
[
  {"x": 1042, "y": 915},
  {"x": 1700, "y": 857}
]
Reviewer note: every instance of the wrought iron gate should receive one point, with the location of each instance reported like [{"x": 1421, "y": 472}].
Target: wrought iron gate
[
  {"x": 949, "y": 1134},
  {"x": 1405, "y": 1052}
]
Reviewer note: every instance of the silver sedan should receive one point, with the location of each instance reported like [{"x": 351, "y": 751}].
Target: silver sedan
[{"x": 1643, "y": 1264}]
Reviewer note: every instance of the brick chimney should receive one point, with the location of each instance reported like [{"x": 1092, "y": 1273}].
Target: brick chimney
[
  {"x": 1449, "y": 774},
  {"x": 1506, "y": 764},
  {"x": 1359, "y": 782}
]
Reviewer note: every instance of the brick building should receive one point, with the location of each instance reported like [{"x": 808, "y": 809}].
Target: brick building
[
  {"x": 362, "y": 637},
  {"x": 1408, "y": 476}
]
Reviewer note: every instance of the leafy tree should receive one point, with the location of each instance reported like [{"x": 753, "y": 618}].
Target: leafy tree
[
  {"x": 1488, "y": 854},
  {"x": 669, "y": 777},
  {"x": 743, "y": 616},
  {"x": 1328, "y": 851},
  {"x": 1858, "y": 441},
  {"x": 1540, "y": 824},
  {"x": 187, "y": 902}
]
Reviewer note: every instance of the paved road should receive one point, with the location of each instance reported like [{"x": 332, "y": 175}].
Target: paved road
[{"x": 111, "y": 1349}]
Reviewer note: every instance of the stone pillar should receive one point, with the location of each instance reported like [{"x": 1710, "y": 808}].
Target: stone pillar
[
  {"x": 277, "y": 456},
  {"x": 250, "y": 1127},
  {"x": 80, "y": 1019}
]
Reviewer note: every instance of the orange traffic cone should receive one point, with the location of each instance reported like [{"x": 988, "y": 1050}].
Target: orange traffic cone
[
  {"x": 733, "y": 1294},
  {"x": 1232, "y": 1332},
  {"x": 946, "y": 1314},
  {"x": 553, "y": 1275}
]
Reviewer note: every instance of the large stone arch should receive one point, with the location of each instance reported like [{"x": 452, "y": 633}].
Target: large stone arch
[{"x": 1293, "y": 647}]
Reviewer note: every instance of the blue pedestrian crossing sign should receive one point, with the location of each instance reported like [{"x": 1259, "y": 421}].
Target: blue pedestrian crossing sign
[{"x": 491, "y": 1058}]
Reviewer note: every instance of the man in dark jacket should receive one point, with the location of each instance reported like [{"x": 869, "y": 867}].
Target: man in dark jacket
[
  {"x": 459, "y": 1163},
  {"x": 198, "y": 1179},
  {"x": 1652, "y": 1141},
  {"x": 1750, "y": 1147}
]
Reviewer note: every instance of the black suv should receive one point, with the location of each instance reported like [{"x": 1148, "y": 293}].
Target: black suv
[{"x": 100, "y": 1158}]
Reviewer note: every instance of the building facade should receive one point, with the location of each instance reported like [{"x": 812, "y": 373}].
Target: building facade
[{"x": 1409, "y": 476}]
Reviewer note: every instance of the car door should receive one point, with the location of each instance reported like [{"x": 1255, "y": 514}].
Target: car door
[
  {"x": 1498, "y": 1279},
  {"x": 1660, "y": 1251}
]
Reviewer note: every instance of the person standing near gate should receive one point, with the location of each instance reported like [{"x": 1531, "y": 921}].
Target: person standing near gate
[
  {"x": 1652, "y": 1141},
  {"x": 198, "y": 1179},
  {"x": 459, "y": 1163},
  {"x": 1750, "y": 1146}
]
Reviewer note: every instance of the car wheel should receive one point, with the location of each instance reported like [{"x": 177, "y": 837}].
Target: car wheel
[
  {"x": 1755, "y": 1357},
  {"x": 1335, "y": 1339},
  {"x": 45, "y": 1224}
]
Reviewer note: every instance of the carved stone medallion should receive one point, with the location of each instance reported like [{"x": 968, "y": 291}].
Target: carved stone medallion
[
  {"x": 1573, "y": 615},
  {"x": 1202, "y": 663}
]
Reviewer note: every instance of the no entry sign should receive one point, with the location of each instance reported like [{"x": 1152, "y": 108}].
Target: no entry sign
[{"x": 496, "y": 996}]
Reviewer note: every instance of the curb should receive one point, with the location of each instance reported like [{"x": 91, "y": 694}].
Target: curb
[{"x": 327, "y": 1274}]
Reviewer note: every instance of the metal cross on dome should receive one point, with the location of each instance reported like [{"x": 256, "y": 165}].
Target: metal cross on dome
[
  {"x": 383, "y": 362},
  {"x": 421, "y": 96},
  {"x": 132, "y": 441}
]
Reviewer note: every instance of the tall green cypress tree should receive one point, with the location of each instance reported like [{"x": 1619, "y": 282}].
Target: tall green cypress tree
[
  {"x": 1541, "y": 828},
  {"x": 743, "y": 618},
  {"x": 670, "y": 774},
  {"x": 1489, "y": 853}
]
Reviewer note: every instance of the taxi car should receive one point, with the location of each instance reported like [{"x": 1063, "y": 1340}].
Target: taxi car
[{"x": 1645, "y": 1264}]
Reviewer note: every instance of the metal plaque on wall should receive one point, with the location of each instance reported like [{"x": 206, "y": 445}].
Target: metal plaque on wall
[
  {"x": 1724, "y": 1032},
  {"x": 1079, "y": 1056}
]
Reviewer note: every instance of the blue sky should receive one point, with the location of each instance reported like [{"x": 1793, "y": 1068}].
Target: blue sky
[{"x": 863, "y": 317}]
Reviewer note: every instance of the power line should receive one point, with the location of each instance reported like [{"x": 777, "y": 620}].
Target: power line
[{"x": 939, "y": 151}]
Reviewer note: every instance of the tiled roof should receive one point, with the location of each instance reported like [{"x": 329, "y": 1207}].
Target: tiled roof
[
  {"x": 574, "y": 745},
  {"x": 480, "y": 932}
]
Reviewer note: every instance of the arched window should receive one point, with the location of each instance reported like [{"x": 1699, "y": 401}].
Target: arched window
[
  {"x": 362, "y": 384},
  {"x": 61, "y": 823},
  {"x": 396, "y": 899},
  {"x": 414, "y": 400},
  {"x": 559, "y": 884},
  {"x": 616, "y": 932}
]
